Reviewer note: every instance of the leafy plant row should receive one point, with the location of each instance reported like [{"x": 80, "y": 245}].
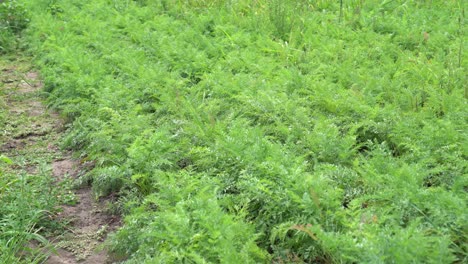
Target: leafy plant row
[{"x": 259, "y": 131}]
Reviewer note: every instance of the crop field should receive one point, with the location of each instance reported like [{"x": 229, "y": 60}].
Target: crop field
[{"x": 266, "y": 131}]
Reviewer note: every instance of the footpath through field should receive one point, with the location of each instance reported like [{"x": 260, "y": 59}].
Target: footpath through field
[{"x": 30, "y": 138}]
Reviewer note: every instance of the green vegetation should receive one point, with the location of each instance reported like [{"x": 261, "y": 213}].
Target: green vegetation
[
  {"x": 24, "y": 199},
  {"x": 22, "y": 214},
  {"x": 13, "y": 19},
  {"x": 259, "y": 131},
  {"x": 27, "y": 198},
  {"x": 29, "y": 194}
]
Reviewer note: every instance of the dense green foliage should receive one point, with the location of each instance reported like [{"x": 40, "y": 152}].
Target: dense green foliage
[
  {"x": 257, "y": 131},
  {"x": 13, "y": 19}
]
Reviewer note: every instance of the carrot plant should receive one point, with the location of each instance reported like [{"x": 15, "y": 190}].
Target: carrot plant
[{"x": 259, "y": 131}]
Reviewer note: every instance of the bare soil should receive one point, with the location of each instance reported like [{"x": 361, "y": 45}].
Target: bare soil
[
  {"x": 33, "y": 130},
  {"x": 89, "y": 222}
]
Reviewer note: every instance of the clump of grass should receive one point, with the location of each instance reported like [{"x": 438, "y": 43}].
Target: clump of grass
[{"x": 24, "y": 209}]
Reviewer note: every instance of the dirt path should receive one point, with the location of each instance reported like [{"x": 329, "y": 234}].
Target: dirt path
[{"x": 30, "y": 137}]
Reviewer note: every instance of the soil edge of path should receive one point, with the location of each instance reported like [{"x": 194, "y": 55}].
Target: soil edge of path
[{"x": 33, "y": 129}]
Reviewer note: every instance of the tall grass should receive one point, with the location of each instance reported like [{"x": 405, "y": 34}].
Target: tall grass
[{"x": 25, "y": 205}]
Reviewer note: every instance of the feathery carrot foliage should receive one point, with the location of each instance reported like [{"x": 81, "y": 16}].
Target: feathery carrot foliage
[{"x": 259, "y": 131}]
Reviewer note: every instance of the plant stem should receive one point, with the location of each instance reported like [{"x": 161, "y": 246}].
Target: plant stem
[{"x": 341, "y": 10}]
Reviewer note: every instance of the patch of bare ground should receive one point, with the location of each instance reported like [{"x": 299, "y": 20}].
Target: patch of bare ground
[
  {"x": 32, "y": 131},
  {"x": 88, "y": 218}
]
